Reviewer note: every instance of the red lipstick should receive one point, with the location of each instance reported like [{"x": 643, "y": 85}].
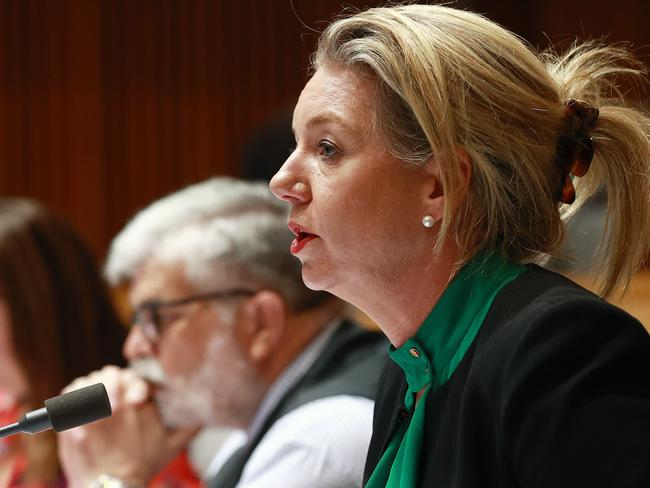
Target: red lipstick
[{"x": 302, "y": 238}]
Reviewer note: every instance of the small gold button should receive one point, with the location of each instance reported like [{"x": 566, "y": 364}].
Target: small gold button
[{"x": 414, "y": 352}]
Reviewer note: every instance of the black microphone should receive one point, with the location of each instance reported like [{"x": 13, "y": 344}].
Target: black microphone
[{"x": 64, "y": 412}]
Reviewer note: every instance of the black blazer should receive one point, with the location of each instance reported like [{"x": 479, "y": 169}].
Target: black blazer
[
  {"x": 554, "y": 392},
  {"x": 349, "y": 364}
]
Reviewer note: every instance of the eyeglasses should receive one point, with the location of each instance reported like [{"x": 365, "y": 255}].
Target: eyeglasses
[{"x": 147, "y": 315}]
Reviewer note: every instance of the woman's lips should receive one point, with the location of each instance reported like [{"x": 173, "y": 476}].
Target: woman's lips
[
  {"x": 302, "y": 237},
  {"x": 301, "y": 241}
]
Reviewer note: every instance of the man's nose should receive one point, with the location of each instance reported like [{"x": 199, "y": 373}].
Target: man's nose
[{"x": 137, "y": 345}]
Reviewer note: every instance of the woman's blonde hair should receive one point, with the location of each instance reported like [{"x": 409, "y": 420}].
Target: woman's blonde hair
[{"x": 451, "y": 79}]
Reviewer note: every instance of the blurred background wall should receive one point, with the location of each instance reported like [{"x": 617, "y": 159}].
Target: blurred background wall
[{"x": 106, "y": 105}]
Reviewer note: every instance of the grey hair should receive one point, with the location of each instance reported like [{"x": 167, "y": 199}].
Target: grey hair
[{"x": 225, "y": 232}]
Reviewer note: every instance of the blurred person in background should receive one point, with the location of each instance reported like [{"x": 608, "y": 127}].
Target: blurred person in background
[
  {"x": 268, "y": 147},
  {"x": 226, "y": 334},
  {"x": 56, "y": 323}
]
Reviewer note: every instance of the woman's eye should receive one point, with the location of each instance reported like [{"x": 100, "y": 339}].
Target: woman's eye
[{"x": 327, "y": 149}]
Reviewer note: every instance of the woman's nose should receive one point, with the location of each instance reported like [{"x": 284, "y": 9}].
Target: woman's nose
[
  {"x": 137, "y": 346},
  {"x": 287, "y": 186}
]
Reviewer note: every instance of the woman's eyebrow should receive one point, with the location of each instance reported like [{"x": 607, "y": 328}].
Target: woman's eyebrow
[{"x": 328, "y": 117}]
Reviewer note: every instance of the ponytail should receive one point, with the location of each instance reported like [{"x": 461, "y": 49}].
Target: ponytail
[{"x": 599, "y": 75}]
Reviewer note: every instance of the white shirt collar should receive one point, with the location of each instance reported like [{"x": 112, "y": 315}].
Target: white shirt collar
[{"x": 290, "y": 376}]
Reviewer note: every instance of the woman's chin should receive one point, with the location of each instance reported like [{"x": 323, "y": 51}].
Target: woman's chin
[
  {"x": 316, "y": 278},
  {"x": 312, "y": 284}
]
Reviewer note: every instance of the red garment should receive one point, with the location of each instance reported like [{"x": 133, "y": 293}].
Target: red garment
[
  {"x": 18, "y": 469},
  {"x": 177, "y": 474},
  {"x": 8, "y": 415}
]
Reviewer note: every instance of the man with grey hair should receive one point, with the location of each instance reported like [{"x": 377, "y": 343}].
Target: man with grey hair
[{"x": 226, "y": 334}]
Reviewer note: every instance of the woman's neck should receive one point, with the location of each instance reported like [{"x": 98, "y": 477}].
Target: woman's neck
[{"x": 399, "y": 303}]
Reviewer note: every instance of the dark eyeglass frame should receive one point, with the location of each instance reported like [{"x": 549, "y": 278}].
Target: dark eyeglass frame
[{"x": 147, "y": 315}]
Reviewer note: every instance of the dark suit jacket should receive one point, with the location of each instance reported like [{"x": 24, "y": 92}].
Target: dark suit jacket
[
  {"x": 349, "y": 364},
  {"x": 554, "y": 392}
]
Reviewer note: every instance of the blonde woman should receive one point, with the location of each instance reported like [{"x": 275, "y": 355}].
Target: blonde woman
[{"x": 437, "y": 158}]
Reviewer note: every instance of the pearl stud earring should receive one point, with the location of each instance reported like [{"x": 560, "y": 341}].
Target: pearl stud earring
[{"x": 428, "y": 221}]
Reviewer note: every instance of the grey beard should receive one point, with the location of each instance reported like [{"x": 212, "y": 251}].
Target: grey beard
[{"x": 150, "y": 370}]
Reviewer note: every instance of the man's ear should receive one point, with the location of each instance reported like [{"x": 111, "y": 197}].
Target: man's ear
[
  {"x": 262, "y": 327},
  {"x": 434, "y": 194}
]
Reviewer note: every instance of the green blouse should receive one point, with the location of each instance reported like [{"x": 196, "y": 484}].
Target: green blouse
[{"x": 430, "y": 358}]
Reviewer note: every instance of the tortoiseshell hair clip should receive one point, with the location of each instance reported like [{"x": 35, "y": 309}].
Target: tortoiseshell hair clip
[{"x": 576, "y": 147}]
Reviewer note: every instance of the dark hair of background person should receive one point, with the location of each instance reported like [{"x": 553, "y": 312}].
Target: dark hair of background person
[
  {"x": 268, "y": 147},
  {"x": 62, "y": 321}
]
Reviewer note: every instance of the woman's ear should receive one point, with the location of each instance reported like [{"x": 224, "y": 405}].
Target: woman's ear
[
  {"x": 262, "y": 325},
  {"x": 434, "y": 194}
]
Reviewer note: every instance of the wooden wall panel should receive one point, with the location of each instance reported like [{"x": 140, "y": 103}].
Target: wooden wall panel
[
  {"x": 184, "y": 84},
  {"x": 50, "y": 108},
  {"x": 108, "y": 104}
]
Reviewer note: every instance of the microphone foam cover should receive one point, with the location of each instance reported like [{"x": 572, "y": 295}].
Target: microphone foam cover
[{"x": 78, "y": 407}]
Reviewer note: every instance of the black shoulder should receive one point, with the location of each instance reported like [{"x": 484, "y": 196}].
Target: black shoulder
[
  {"x": 350, "y": 364},
  {"x": 574, "y": 382},
  {"x": 541, "y": 308}
]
